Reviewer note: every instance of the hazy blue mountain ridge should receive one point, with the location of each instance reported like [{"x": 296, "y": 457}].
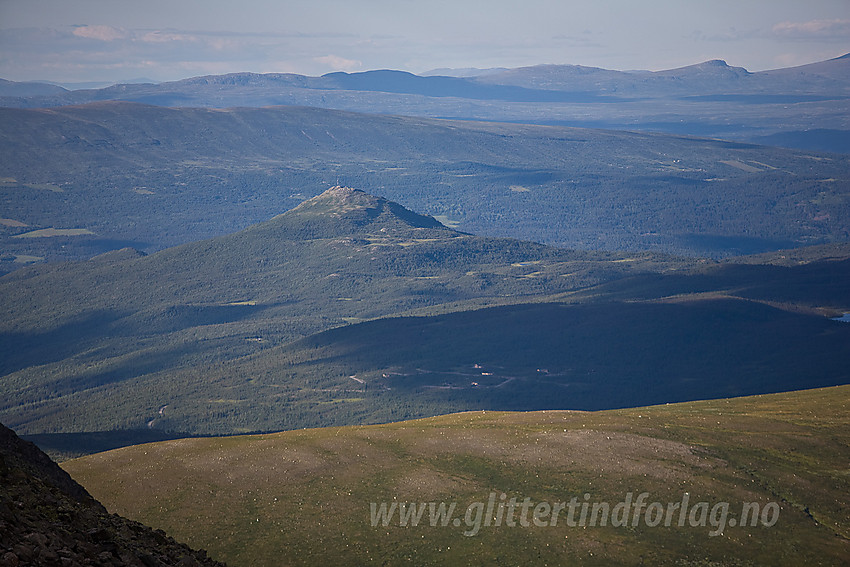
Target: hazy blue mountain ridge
[{"x": 706, "y": 99}]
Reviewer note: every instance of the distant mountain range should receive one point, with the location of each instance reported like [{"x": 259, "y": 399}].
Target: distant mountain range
[{"x": 806, "y": 106}]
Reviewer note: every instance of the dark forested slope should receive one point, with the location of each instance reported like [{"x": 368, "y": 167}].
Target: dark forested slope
[{"x": 351, "y": 309}]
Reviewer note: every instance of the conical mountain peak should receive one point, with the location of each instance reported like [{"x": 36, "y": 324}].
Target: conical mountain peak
[
  {"x": 339, "y": 200},
  {"x": 341, "y": 211}
]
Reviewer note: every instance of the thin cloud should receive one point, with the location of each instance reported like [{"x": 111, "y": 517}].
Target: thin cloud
[
  {"x": 166, "y": 37},
  {"x": 586, "y": 39},
  {"x": 98, "y": 52},
  {"x": 101, "y": 33},
  {"x": 339, "y": 63},
  {"x": 814, "y": 30}
]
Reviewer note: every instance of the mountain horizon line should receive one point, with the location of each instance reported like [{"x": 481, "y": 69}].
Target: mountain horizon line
[{"x": 453, "y": 72}]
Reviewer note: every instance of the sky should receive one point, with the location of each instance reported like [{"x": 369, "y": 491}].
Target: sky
[{"x": 70, "y": 41}]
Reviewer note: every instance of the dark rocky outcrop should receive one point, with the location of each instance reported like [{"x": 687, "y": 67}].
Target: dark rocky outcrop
[{"x": 46, "y": 518}]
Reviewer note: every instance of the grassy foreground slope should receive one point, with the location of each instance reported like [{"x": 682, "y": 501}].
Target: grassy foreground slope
[{"x": 303, "y": 497}]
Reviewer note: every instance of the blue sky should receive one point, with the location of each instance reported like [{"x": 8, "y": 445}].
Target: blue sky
[{"x": 115, "y": 40}]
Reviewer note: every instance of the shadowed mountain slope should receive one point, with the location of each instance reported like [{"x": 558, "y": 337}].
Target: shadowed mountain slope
[
  {"x": 122, "y": 327},
  {"x": 220, "y": 336}
]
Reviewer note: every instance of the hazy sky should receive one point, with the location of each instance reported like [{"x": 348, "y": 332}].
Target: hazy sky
[{"x": 114, "y": 40}]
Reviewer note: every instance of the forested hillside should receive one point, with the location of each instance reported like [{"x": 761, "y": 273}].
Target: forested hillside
[
  {"x": 78, "y": 181},
  {"x": 352, "y": 309}
]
